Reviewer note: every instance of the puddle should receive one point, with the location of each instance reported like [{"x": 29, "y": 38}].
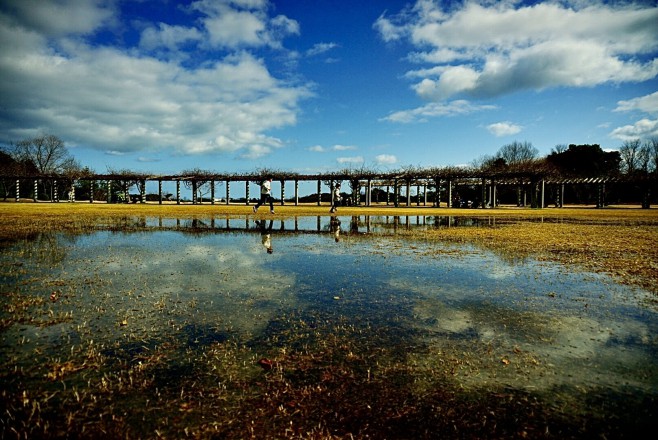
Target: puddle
[{"x": 189, "y": 297}]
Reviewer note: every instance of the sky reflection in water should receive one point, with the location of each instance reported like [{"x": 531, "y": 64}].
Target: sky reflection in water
[{"x": 214, "y": 279}]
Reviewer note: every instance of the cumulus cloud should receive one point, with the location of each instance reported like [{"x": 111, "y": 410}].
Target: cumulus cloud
[
  {"x": 506, "y": 128},
  {"x": 60, "y": 18},
  {"x": 645, "y": 128},
  {"x": 642, "y": 129},
  {"x": 386, "y": 159},
  {"x": 88, "y": 91},
  {"x": 647, "y": 104},
  {"x": 486, "y": 49}
]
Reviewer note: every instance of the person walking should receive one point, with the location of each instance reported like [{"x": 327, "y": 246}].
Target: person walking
[
  {"x": 335, "y": 198},
  {"x": 265, "y": 195}
]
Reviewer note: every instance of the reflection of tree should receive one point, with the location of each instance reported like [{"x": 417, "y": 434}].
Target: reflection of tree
[{"x": 49, "y": 246}]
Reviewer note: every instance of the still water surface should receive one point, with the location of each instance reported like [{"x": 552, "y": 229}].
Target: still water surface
[{"x": 569, "y": 337}]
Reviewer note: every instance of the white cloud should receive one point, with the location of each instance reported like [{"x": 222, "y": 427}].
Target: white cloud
[
  {"x": 124, "y": 100},
  {"x": 435, "y": 109},
  {"x": 386, "y": 159},
  {"x": 486, "y": 49},
  {"x": 645, "y": 128},
  {"x": 168, "y": 37},
  {"x": 339, "y": 147},
  {"x": 350, "y": 160},
  {"x": 62, "y": 17},
  {"x": 317, "y": 149},
  {"x": 504, "y": 128},
  {"x": 236, "y": 24},
  {"x": 647, "y": 104},
  {"x": 320, "y": 48},
  {"x": 642, "y": 129}
]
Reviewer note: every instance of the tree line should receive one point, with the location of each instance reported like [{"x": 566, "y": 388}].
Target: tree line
[{"x": 48, "y": 156}]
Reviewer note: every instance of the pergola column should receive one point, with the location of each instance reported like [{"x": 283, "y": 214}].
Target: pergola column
[
  {"x": 109, "y": 191},
  {"x": 194, "y": 189},
  {"x": 408, "y": 192},
  {"x": 178, "y": 192},
  {"x": 18, "y": 190},
  {"x": 600, "y": 199},
  {"x": 36, "y": 189},
  {"x": 449, "y": 201},
  {"x": 92, "y": 187},
  {"x": 160, "y": 191},
  {"x": 319, "y": 192},
  {"x": 246, "y": 191},
  {"x": 396, "y": 193},
  {"x": 369, "y": 192},
  {"x": 142, "y": 191},
  {"x": 55, "y": 192},
  {"x": 212, "y": 192},
  {"x": 228, "y": 191},
  {"x": 296, "y": 192},
  {"x": 283, "y": 192}
]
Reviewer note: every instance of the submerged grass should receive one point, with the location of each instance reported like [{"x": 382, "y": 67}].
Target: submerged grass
[{"x": 310, "y": 375}]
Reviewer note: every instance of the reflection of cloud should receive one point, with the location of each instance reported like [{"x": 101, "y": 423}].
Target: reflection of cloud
[
  {"x": 227, "y": 283},
  {"x": 500, "y": 272},
  {"x": 550, "y": 351}
]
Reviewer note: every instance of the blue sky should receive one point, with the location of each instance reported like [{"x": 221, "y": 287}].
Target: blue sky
[{"x": 313, "y": 86}]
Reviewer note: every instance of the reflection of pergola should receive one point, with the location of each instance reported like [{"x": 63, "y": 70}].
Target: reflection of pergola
[{"x": 398, "y": 186}]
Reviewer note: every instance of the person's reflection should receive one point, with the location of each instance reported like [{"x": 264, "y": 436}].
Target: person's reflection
[
  {"x": 334, "y": 227},
  {"x": 266, "y": 234}
]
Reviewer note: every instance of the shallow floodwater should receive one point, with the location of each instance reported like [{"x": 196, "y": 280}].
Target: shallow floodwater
[{"x": 77, "y": 308}]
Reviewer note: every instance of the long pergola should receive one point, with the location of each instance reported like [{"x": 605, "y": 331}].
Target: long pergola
[{"x": 533, "y": 182}]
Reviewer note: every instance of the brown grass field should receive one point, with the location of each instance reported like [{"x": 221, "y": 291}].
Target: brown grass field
[{"x": 618, "y": 240}]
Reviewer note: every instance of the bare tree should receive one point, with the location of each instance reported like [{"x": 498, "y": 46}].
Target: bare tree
[
  {"x": 560, "y": 148},
  {"x": 652, "y": 151},
  {"x": 630, "y": 153},
  {"x": 48, "y": 154},
  {"x": 517, "y": 152}
]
